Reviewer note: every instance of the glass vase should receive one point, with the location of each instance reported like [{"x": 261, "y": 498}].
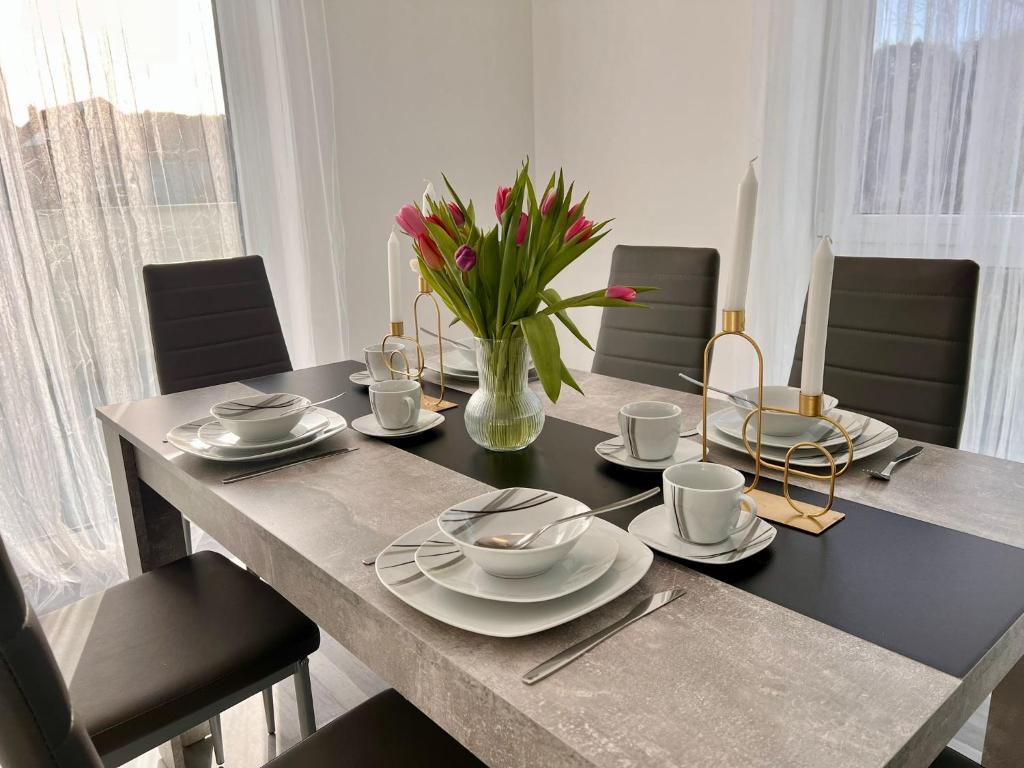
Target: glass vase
[{"x": 504, "y": 414}]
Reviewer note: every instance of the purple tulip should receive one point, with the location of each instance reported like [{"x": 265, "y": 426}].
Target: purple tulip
[
  {"x": 465, "y": 258},
  {"x": 410, "y": 220}
]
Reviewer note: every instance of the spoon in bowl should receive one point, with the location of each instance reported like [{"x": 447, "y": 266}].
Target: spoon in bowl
[{"x": 523, "y": 540}]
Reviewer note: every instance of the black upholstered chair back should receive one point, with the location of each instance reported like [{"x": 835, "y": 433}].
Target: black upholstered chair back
[
  {"x": 213, "y": 322},
  {"x": 899, "y": 342},
  {"x": 37, "y": 729},
  {"x": 653, "y": 345}
]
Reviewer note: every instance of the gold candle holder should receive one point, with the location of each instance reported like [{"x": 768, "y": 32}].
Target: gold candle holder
[
  {"x": 811, "y": 520},
  {"x": 398, "y": 332}
]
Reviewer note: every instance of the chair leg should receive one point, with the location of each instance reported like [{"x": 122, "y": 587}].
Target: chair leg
[
  {"x": 268, "y": 708},
  {"x": 304, "y": 699},
  {"x": 187, "y": 528},
  {"x": 218, "y": 739}
]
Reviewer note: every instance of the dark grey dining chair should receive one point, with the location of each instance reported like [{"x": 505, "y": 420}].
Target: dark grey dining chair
[
  {"x": 213, "y": 322},
  {"x": 653, "y": 345},
  {"x": 45, "y": 726},
  {"x": 899, "y": 342}
]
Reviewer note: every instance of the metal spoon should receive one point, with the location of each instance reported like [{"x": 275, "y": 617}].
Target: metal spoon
[
  {"x": 740, "y": 399},
  {"x": 523, "y": 540}
]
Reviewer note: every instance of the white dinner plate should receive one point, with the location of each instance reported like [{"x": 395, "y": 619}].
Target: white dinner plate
[
  {"x": 614, "y": 450},
  {"x": 586, "y": 562},
  {"x": 456, "y": 372},
  {"x": 216, "y": 434},
  {"x": 398, "y": 572},
  {"x": 185, "y": 437},
  {"x": 877, "y": 436},
  {"x": 731, "y": 423},
  {"x": 657, "y": 529},
  {"x": 368, "y": 425},
  {"x": 361, "y": 378}
]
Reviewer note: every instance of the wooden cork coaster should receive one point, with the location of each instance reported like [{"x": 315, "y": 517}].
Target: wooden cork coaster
[{"x": 777, "y": 509}]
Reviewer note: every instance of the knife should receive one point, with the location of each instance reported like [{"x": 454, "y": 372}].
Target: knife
[{"x": 570, "y": 654}]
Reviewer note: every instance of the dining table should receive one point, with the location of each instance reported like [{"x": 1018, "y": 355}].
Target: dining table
[{"x": 867, "y": 645}]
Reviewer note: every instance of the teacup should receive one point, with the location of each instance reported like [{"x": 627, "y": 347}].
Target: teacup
[
  {"x": 706, "y": 501},
  {"x": 396, "y": 404},
  {"x": 378, "y": 359},
  {"x": 650, "y": 429}
]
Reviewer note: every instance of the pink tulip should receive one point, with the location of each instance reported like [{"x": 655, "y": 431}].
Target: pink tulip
[
  {"x": 623, "y": 292},
  {"x": 465, "y": 258},
  {"x": 576, "y": 209},
  {"x": 501, "y": 201},
  {"x": 524, "y": 225},
  {"x": 579, "y": 228},
  {"x": 457, "y": 216},
  {"x": 547, "y": 202},
  {"x": 429, "y": 252},
  {"x": 410, "y": 220}
]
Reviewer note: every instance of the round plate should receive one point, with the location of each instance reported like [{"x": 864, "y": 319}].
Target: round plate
[
  {"x": 185, "y": 437},
  {"x": 875, "y": 437},
  {"x": 656, "y": 528},
  {"x": 361, "y": 378},
  {"x": 368, "y": 425},
  {"x": 397, "y": 570},
  {"x": 214, "y": 433},
  {"x": 614, "y": 451},
  {"x": 586, "y": 562},
  {"x": 731, "y": 424},
  {"x": 434, "y": 364}
]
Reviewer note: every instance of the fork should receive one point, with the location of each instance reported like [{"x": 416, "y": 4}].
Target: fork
[{"x": 886, "y": 474}]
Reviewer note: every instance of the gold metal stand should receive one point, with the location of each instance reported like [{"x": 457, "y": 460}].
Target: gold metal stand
[
  {"x": 398, "y": 332},
  {"x": 806, "y": 519}
]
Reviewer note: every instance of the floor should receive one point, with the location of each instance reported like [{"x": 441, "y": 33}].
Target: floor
[{"x": 340, "y": 682}]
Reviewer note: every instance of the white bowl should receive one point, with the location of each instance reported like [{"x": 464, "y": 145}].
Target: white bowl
[
  {"x": 514, "y": 510},
  {"x": 261, "y": 418},
  {"x": 781, "y": 424}
]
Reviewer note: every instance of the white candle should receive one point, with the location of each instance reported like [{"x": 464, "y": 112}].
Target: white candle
[
  {"x": 739, "y": 259},
  {"x": 395, "y": 278},
  {"x": 428, "y": 192},
  {"x": 819, "y": 294}
]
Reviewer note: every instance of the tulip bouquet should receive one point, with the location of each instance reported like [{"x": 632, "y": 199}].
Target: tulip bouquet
[{"x": 497, "y": 281}]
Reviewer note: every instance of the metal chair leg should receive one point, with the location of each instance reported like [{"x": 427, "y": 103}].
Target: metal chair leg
[
  {"x": 304, "y": 699},
  {"x": 187, "y": 528},
  {"x": 218, "y": 739},
  {"x": 268, "y": 708}
]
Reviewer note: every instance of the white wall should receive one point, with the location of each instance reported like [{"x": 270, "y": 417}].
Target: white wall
[
  {"x": 421, "y": 87},
  {"x": 648, "y": 105}
]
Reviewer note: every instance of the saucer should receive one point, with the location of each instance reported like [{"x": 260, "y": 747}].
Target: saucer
[
  {"x": 442, "y": 562},
  {"x": 614, "y": 450},
  {"x": 368, "y": 425},
  {"x": 216, "y": 434},
  {"x": 656, "y": 528},
  {"x": 361, "y": 378}
]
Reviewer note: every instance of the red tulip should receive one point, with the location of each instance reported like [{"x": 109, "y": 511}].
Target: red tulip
[
  {"x": 429, "y": 252},
  {"x": 457, "y": 216},
  {"x": 524, "y": 225},
  {"x": 410, "y": 220},
  {"x": 623, "y": 292},
  {"x": 465, "y": 258},
  {"x": 547, "y": 202},
  {"x": 435, "y": 219},
  {"x": 579, "y": 228},
  {"x": 501, "y": 201}
]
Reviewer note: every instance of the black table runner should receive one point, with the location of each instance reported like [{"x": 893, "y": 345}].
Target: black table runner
[{"x": 930, "y": 593}]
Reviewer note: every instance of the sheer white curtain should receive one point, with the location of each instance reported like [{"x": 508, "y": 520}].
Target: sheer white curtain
[
  {"x": 897, "y": 126},
  {"x": 114, "y": 153}
]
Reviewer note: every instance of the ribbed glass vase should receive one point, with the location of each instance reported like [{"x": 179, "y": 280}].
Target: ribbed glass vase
[{"x": 504, "y": 414}]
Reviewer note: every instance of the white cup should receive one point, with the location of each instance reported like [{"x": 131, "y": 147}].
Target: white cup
[
  {"x": 377, "y": 359},
  {"x": 396, "y": 404},
  {"x": 650, "y": 430},
  {"x": 706, "y": 500}
]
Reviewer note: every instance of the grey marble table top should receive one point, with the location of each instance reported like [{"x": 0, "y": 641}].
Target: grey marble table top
[{"x": 720, "y": 677}]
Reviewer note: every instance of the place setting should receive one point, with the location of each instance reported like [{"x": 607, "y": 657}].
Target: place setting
[{"x": 257, "y": 427}]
